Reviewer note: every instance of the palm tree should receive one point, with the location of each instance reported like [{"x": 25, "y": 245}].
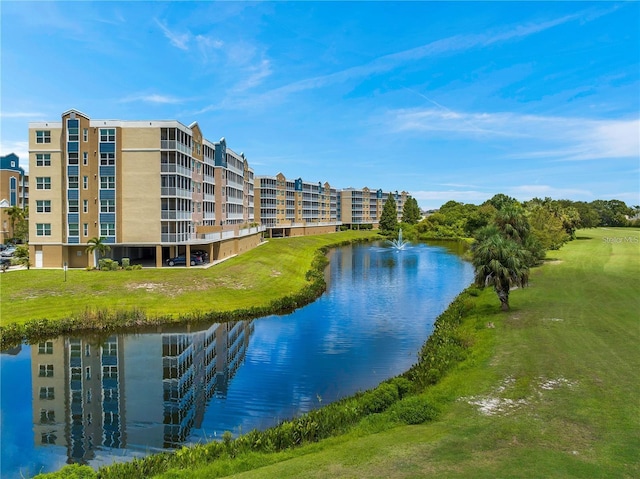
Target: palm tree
[
  {"x": 98, "y": 247},
  {"x": 502, "y": 263},
  {"x": 15, "y": 214}
]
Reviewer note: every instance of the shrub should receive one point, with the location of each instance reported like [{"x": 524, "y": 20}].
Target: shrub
[
  {"x": 126, "y": 262},
  {"x": 413, "y": 410},
  {"x": 73, "y": 471}
]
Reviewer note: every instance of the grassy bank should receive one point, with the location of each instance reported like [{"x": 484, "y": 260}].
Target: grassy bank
[
  {"x": 256, "y": 277},
  {"x": 550, "y": 389}
]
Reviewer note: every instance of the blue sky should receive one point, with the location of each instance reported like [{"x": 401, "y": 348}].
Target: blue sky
[{"x": 446, "y": 100}]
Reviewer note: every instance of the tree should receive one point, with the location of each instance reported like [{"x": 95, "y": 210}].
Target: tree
[
  {"x": 500, "y": 262},
  {"x": 389, "y": 216},
  {"x": 15, "y": 214},
  {"x": 411, "y": 212},
  {"x": 21, "y": 256},
  {"x": 512, "y": 222},
  {"x": 21, "y": 230},
  {"x": 612, "y": 212},
  {"x": 547, "y": 227},
  {"x": 501, "y": 200},
  {"x": 98, "y": 248}
]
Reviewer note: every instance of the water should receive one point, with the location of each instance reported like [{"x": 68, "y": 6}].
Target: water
[{"x": 74, "y": 400}]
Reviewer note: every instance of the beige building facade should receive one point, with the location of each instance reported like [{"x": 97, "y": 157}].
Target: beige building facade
[
  {"x": 358, "y": 207},
  {"x": 151, "y": 189},
  {"x": 295, "y": 207}
]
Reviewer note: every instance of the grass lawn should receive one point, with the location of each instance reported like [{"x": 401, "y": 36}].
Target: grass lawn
[
  {"x": 551, "y": 389},
  {"x": 255, "y": 278}
]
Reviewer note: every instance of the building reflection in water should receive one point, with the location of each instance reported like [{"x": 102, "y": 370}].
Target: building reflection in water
[{"x": 137, "y": 392}]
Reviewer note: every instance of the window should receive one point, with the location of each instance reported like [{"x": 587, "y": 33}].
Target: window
[
  {"x": 43, "y": 159},
  {"x": 46, "y": 371},
  {"x": 110, "y": 349},
  {"x": 47, "y": 416},
  {"x": 76, "y": 374},
  {"x": 73, "y": 182},
  {"x": 87, "y": 350},
  {"x": 107, "y": 206},
  {"x": 85, "y": 134},
  {"x": 74, "y": 229},
  {"x": 43, "y": 206},
  {"x": 85, "y": 182},
  {"x": 47, "y": 393},
  {"x": 87, "y": 373},
  {"x": 73, "y": 158},
  {"x": 48, "y": 438},
  {"x": 110, "y": 372},
  {"x": 85, "y": 206},
  {"x": 43, "y": 183},
  {"x": 85, "y": 229},
  {"x": 107, "y": 229},
  {"x": 107, "y": 182},
  {"x": 45, "y": 348},
  {"x": 107, "y": 134},
  {"x": 43, "y": 229},
  {"x": 85, "y": 157},
  {"x": 73, "y": 133},
  {"x": 43, "y": 136},
  {"x": 89, "y": 394},
  {"x": 73, "y": 206},
  {"x": 107, "y": 159}
]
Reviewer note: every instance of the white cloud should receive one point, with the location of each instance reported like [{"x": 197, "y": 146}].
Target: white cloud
[
  {"x": 178, "y": 40},
  {"x": 152, "y": 98},
  {"x": 527, "y": 192},
  {"x": 20, "y": 114},
  {"x": 558, "y": 138},
  {"x": 454, "y": 44}
]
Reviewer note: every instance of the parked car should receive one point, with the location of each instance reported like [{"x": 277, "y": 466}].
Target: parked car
[
  {"x": 181, "y": 261},
  {"x": 8, "y": 252},
  {"x": 204, "y": 256},
  {"x": 5, "y": 263}
]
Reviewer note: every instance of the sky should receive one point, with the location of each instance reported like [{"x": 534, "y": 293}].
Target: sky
[{"x": 445, "y": 100}]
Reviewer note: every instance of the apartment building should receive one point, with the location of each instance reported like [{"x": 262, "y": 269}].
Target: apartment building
[
  {"x": 131, "y": 392},
  {"x": 152, "y": 189},
  {"x": 14, "y": 191},
  {"x": 295, "y": 207},
  {"x": 364, "y": 207}
]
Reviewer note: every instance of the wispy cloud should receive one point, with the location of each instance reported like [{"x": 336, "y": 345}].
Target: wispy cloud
[
  {"x": 178, "y": 40},
  {"x": 152, "y": 98},
  {"x": 563, "y": 138},
  {"x": 20, "y": 114},
  {"x": 446, "y": 46},
  {"x": 526, "y": 192}
]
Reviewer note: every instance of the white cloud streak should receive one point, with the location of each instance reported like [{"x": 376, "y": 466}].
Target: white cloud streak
[
  {"x": 152, "y": 98},
  {"x": 178, "y": 40},
  {"x": 559, "y": 138},
  {"x": 385, "y": 63}
]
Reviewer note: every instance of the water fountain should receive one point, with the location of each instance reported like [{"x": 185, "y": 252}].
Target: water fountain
[{"x": 399, "y": 243}]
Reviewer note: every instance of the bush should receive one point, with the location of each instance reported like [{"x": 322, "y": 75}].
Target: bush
[
  {"x": 413, "y": 410},
  {"x": 125, "y": 263},
  {"x": 73, "y": 471}
]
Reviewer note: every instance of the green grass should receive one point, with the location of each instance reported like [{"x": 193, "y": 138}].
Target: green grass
[
  {"x": 255, "y": 278},
  {"x": 561, "y": 369}
]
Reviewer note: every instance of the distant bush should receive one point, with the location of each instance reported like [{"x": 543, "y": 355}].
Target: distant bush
[{"x": 107, "y": 264}]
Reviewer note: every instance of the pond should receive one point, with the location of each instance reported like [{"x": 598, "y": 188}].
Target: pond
[{"x": 71, "y": 399}]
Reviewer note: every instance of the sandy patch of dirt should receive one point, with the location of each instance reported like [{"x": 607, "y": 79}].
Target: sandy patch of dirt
[{"x": 494, "y": 404}]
